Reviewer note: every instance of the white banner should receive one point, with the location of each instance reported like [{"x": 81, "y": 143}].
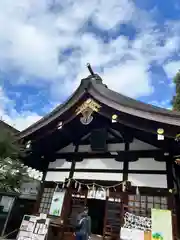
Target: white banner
[
  {"x": 131, "y": 234},
  {"x": 97, "y": 194},
  {"x": 57, "y": 203}
]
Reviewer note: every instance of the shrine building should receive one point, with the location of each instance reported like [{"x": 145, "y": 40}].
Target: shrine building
[{"x": 108, "y": 152}]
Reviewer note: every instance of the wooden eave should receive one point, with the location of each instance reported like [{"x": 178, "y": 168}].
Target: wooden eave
[
  {"x": 45, "y": 149},
  {"x": 56, "y": 113},
  {"x": 133, "y": 107},
  {"x": 120, "y": 103}
]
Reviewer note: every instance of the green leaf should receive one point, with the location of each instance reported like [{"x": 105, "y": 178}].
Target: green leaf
[
  {"x": 12, "y": 171},
  {"x": 176, "y": 98}
]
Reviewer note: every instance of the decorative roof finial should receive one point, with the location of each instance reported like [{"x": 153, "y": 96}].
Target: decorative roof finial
[
  {"x": 90, "y": 69},
  {"x": 95, "y": 77}
]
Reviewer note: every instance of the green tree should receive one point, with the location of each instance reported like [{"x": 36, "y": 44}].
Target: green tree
[
  {"x": 176, "y": 98},
  {"x": 12, "y": 171}
]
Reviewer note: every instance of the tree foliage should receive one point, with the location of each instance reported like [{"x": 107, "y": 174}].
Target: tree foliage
[
  {"x": 12, "y": 171},
  {"x": 176, "y": 98}
]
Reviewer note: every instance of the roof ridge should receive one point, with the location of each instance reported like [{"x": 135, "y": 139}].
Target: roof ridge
[{"x": 151, "y": 107}]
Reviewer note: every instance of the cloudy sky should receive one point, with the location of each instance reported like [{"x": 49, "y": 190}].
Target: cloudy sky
[{"x": 46, "y": 44}]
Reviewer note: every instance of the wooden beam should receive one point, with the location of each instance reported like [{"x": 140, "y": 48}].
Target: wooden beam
[
  {"x": 126, "y": 163},
  {"x": 142, "y": 124},
  {"x": 73, "y": 164},
  {"x": 169, "y": 164},
  {"x": 82, "y": 170},
  {"x": 131, "y": 156},
  {"x": 109, "y": 141}
]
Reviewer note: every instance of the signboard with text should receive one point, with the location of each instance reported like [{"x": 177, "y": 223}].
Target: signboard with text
[{"x": 33, "y": 228}]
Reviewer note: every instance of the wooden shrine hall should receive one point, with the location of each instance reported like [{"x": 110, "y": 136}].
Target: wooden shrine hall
[{"x": 108, "y": 152}]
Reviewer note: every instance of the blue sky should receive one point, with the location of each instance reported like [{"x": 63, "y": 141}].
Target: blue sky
[{"x": 46, "y": 44}]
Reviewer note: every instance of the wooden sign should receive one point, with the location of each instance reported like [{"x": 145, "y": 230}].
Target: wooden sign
[{"x": 33, "y": 228}]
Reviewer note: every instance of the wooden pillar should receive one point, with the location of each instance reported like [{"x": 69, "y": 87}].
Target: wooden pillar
[
  {"x": 73, "y": 164},
  {"x": 125, "y": 171},
  {"x": 172, "y": 201},
  {"x": 41, "y": 189},
  {"x": 169, "y": 161},
  {"x": 71, "y": 174},
  {"x": 126, "y": 163},
  {"x": 170, "y": 182},
  {"x": 177, "y": 198},
  {"x": 105, "y": 218},
  {"x": 37, "y": 204},
  {"x": 68, "y": 196}
]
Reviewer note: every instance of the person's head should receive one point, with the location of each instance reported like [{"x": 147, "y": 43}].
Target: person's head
[{"x": 85, "y": 210}]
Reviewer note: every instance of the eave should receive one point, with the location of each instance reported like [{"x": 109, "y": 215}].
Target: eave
[
  {"x": 112, "y": 100},
  {"x": 132, "y": 106}
]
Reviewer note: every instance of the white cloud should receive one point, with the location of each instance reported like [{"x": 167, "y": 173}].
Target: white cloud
[
  {"x": 33, "y": 37},
  {"x": 109, "y": 14},
  {"x": 163, "y": 104},
  {"x": 156, "y": 46},
  {"x": 9, "y": 114},
  {"x": 22, "y": 120},
  {"x": 121, "y": 78},
  {"x": 33, "y": 40},
  {"x": 171, "y": 68}
]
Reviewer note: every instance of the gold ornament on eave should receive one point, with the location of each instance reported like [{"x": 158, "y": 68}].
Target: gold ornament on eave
[{"x": 87, "y": 109}]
